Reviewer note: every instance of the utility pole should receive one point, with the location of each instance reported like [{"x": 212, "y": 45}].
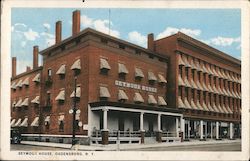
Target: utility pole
[{"x": 74, "y": 116}]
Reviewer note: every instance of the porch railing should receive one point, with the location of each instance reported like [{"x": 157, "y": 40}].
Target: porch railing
[
  {"x": 115, "y": 133},
  {"x": 168, "y": 134}
]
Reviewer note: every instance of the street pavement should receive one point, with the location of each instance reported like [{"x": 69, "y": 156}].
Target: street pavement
[{"x": 210, "y": 145}]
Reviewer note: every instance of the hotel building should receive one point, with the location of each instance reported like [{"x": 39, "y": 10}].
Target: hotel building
[{"x": 178, "y": 88}]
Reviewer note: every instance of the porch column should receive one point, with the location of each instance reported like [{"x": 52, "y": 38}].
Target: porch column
[
  {"x": 201, "y": 129},
  {"x": 141, "y": 128},
  {"x": 211, "y": 126},
  {"x": 159, "y": 132},
  {"x": 217, "y": 130},
  {"x": 105, "y": 131},
  {"x": 189, "y": 129},
  {"x": 231, "y": 130},
  {"x": 183, "y": 128},
  {"x": 177, "y": 126}
]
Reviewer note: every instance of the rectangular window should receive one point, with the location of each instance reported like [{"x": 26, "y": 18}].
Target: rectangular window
[{"x": 49, "y": 72}]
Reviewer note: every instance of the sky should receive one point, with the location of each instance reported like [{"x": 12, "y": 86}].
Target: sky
[{"x": 219, "y": 28}]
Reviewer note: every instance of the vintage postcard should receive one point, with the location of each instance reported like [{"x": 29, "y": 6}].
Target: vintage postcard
[{"x": 124, "y": 80}]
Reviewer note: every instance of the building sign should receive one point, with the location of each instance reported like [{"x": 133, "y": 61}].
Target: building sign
[{"x": 135, "y": 86}]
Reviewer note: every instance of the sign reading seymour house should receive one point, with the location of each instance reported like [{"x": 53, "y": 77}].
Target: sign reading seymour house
[{"x": 176, "y": 89}]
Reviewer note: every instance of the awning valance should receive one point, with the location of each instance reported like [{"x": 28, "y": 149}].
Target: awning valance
[
  {"x": 161, "y": 101},
  {"x": 25, "y": 102},
  {"x": 76, "y": 65},
  {"x": 35, "y": 122},
  {"x": 122, "y": 69},
  {"x": 61, "y": 70},
  {"x": 36, "y": 78},
  {"x": 104, "y": 64},
  {"x": 12, "y": 123},
  {"x": 138, "y": 98},
  {"x": 151, "y": 99},
  {"x": 78, "y": 92},
  {"x": 26, "y": 81},
  {"x": 19, "y": 102},
  {"x": 122, "y": 95},
  {"x": 24, "y": 123},
  {"x": 139, "y": 73},
  {"x": 151, "y": 76},
  {"x": 36, "y": 100},
  {"x": 104, "y": 92},
  {"x": 61, "y": 96},
  {"x": 18, "y": 122},
  {"x": 161, "y": 79}
]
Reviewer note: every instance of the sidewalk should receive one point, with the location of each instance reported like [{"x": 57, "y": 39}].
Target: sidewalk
[{"x": 113, "y": 147}]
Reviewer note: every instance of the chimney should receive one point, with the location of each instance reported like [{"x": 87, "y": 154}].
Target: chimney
[
  {"x": 58, "y": 31},
  {"x": 28, "y": 68},
  {"x": 151, "y": 45},
  {"x": 35, "y": 57},
  {"x": 13, "y": 66},
  {"x": 76, "y": 22}
]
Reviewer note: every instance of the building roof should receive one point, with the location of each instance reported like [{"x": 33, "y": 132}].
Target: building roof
[
  {"x": 90, "y": 31},
  {"x": 27, "y": 73}
]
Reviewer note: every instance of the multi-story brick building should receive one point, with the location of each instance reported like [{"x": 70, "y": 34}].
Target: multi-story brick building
[{"x": 126, "y": 89}]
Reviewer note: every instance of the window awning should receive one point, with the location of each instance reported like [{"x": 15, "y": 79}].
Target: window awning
[
  {"x": 35, "y": 122},
  {"x": 186, "y": 62},
  {"x": 47, "y": 119},
  {"x": 193, "y": 84},
  {"x": 180, "y": 61},
  {"x": 180, "y": 103},
  {"x": 210, "y": 88},
  {"x": 180, "y": 81},
  {"x": 36, "y": 78},
  {"x": 61, "y": 118},
  {"x": 13, "y": 85},
  {"x": 139, "y": 73},
  {"x": 161, "y": 79},
  {"x": 61, "y": 70},
  {"x": 187, "y": 104},
  {"x": 199, "y": 105},
  {"x": 122, "y": 69},
  {"x": 151, "y": 99},
  {"x": 122, "y": 95},
  {"x": 36, "y": 100},
  {"x": 187, "y": 84},
  {"x": 219, "y": 73},
  {"x": 229, "y": 110},
  {"x": 215, "y": 108},
  {"x": 104, "y": 64},
  {"x": 199, "y": 85},
  {"x": 205, "y": 106},
  {"x": 215, "y": 72},
  {"x": 26, "y": 81},
  {"x": 209, "y": 70},
  {"x": 78, "y": 92},
  {"x": 19, "y": 84},
  {"x": 12, "y": 123},
  {"x": 76, "y": 65},
  {"x": 221, "y": 109},
  {"x": 18, "y": 122},
  {"x": 210, "y": 107},
  {"x": 193, "y": 105},
  {"x": 198, "y": 67},
  {"x": 138, "y": 98},
  {"x": 61, "y": 96},
  {"x": 19, "y": 102},
  {"x": 215, "y": 89},
  {"x": 104, "y": 92},
  {"x": 151, "y": 76},
  {"x": 205, "y": 87},
  {"x": 225, "y": 109},
  {"x": 25, "y": 102},
  {"x": 193, "y": 66},
  {"x": 204, "y": 69},
  {"x": 13, "y": 104},
  {"x": 161, "y": 101},
  {"x": 24, "y": 123}
]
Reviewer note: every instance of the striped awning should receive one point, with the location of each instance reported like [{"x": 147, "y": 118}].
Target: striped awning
[
  {"x": 139, "y": 73},
  {"x": 161, "y": 101},
  {"x": 104, "y": 92},
  {"x": 204, "y": 69},
  {"x": 199, "y": 85},
  {"x": 198, "y": 66},
  {"x": 138, "y": 98},
  {"x": 199, "y": 105},
  {"x": 18, "y": 122},
  {"x": 104, "y": 64},
  {"x": 151, "y": 100},
  {"x": 205, "y": 106},
  {"x": 122, "y": 95},
  {"x": 193, "y": 84},
  {"x": 186, "y": 82},
  {"x": 215, "y": 108},
  {"x": 13, "y": 104},
  {"x": 180, "y": 61},
  {"x": 180, "y": 81},
  {"x": 36, "y": 78},
  {"x": 161, "y": 79},
  {"x": 78, "y": 92},
  {"x": 76, "y": 65},
  {"x": 61, "y": 118},
  {"x": 193, "y": 66},
  {"x": 26, "y": 81},
  {"x": 36, "y": 100},
  {"x": 61, "y": 70},
  {"x": 19, "y": 102},
  {"x": 180, "y": 103},
  {"x": 205, "y": 87},
  {"x": 24, "y": 123},
  {"x": 187, "y": 104},
  {"x": 60, "y": 96},
  {"x": 193, "y": 105},
  {"x": 122, "y": 69},
  {"x": 151, "y": 76},
  {"x": 35, "y": 122},
  {"x": 210, "y": 89},
  {"x": 47, "y": 120},
  {"x": 13, "y": 85},
  {"x": 210, "y": 107},
  {"x": 19, "y": 84},
  {"x": 25, "y": 102},
  {"x": 12, "y": 123},
  {"x": 185, "y": 60}
]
